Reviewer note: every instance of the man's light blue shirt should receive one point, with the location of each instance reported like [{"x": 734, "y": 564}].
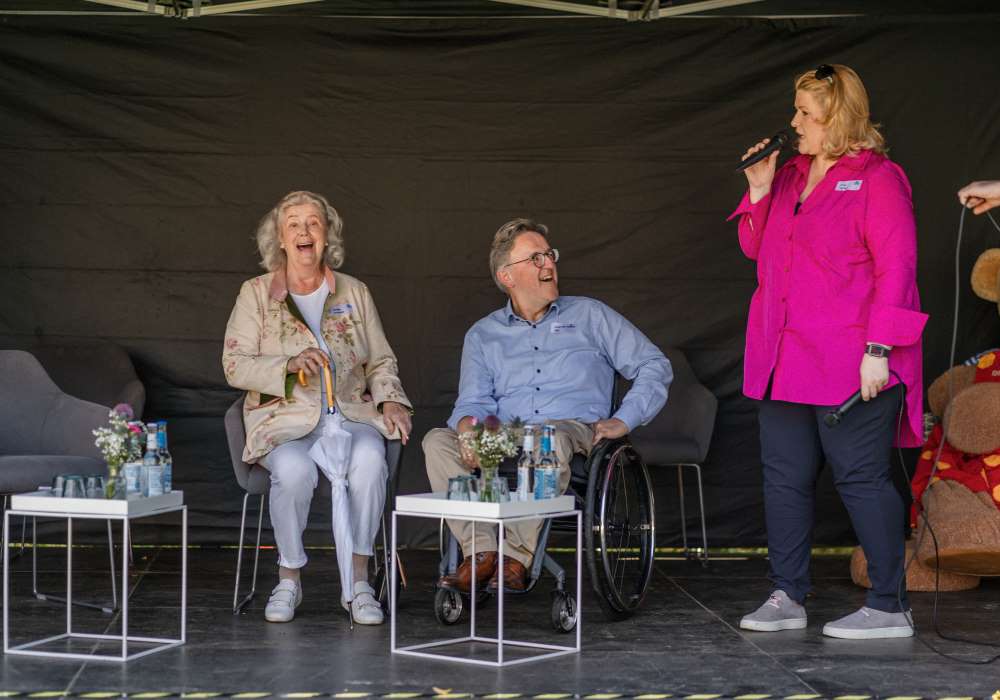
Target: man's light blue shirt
[{"x": 560, "y": 367}]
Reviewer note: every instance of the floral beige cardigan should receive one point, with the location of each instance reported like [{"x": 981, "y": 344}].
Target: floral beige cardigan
[{"x": 266, "y": 329}]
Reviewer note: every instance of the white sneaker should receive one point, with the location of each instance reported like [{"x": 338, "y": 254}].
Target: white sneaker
[
  {"x": 285, "y": 597},
  {"x": 365, "y": 609}
]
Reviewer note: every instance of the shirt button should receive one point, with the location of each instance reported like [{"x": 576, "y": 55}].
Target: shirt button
[
  {"x": 782, "y": 301},
  {"x": 536, "y": 347},
  {"x": 533, "y": 325},
  {"x": 786, "y": 268},
  {"x": 536, "y": 410},
  {"x": 538, "y": 388},
  {"x": 540, "y": 371}
]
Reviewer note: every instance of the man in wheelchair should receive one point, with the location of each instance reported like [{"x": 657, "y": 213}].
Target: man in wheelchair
[{"x": 545, "y": 359}]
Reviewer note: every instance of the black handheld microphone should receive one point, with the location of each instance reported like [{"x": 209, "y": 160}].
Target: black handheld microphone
[
  {"x": 834, "y": 417},
  {"x": 776, "y": 142}
]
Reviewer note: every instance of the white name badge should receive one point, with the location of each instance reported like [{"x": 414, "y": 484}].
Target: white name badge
[
  {"x": 848, "y": 185},
  {"x": 563, "y": 328},
  {"x": 340, "y": 309}
]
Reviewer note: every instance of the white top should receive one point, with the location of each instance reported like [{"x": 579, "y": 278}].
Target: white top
[{"x": 311, "y": 306}]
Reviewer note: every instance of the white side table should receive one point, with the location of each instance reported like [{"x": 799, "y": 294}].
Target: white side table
[
  {"x": 436, "y": 506},
  {"x": 43, "y": 504}
]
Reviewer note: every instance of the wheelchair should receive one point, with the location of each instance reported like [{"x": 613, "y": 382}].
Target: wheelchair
[{"x": 613, "y": 490}]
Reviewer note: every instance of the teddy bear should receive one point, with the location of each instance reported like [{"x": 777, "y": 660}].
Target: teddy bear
[{"x": 961, "y": 497}]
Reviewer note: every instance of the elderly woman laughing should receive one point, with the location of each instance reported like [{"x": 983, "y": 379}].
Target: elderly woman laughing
[{"x": 287, "y": 326}]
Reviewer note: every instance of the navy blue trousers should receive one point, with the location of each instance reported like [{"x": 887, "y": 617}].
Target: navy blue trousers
[{"x": 794, "y": 442}]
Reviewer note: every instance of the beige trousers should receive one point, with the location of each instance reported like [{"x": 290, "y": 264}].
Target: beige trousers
[{"x": 444, "y": 461}]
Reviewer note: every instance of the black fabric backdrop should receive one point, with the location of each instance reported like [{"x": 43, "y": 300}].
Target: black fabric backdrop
[{"x": 138, "y": 154}]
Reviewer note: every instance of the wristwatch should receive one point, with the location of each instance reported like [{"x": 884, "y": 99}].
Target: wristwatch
[{"x": 876, "y": 350}]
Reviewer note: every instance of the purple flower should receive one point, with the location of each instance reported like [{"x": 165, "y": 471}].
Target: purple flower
[
  {"x": 491, "y": 423},
  {"x": 124, "y": 410}
]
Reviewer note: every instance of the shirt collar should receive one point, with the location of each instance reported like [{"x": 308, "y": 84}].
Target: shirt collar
[
  {"x": 512, "y": 316},
  {"x": 856, "y": 162},
  {"x": 279, "y": 283}
]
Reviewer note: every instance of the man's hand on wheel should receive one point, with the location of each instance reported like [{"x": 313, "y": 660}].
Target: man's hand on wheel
[{"x": 610, "y": 428}]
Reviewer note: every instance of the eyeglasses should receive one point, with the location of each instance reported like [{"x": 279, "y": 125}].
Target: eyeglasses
[
  {"x": 538, "y": 259},
  {"x": 825, "y": 72}
]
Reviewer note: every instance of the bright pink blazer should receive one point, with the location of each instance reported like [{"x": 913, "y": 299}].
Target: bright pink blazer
[{"x": 838, "y": 274}]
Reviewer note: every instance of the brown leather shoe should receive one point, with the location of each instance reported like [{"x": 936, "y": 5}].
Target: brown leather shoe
[
  {"x": 515, "y": 576},
  {"x": 461, "y": 580}
]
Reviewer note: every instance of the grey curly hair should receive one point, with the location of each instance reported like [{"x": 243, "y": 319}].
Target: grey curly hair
[
  {"x": 503, "y": 242},
  {"x": 272, "y": 257}
]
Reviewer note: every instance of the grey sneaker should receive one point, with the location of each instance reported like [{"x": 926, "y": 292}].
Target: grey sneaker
[
  {"x": 779, "y": 612},
  {"x": 285, "y": 597},
  {"x": 868, "y": 623}
]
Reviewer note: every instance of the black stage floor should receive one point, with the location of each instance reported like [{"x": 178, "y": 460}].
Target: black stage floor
[{"x": 683, "y": 643}]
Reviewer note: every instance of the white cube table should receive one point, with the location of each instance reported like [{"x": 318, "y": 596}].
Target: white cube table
[
  {"x": 437, "y": 505},
  {"x": 44, "y": 504}
]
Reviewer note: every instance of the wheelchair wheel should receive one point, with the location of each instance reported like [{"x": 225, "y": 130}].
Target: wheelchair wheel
[
  {"x": 563, "y": 612},
  {"x": 619, "y": 529},
  {"x": 447, "y": 606}
]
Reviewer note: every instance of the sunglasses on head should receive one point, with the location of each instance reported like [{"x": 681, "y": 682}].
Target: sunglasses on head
[{"x": 825, "y": 72}]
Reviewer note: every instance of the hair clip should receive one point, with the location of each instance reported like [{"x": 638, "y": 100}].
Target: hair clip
[{"x": 825, "y": 72}]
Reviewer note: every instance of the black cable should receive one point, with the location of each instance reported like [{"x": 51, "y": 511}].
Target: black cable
[{"x": 923, "y": 509}]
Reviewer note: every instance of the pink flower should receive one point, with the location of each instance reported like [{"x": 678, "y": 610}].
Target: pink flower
[
  {"x": 491, "y": 423},
  {"x": 134, "y": 428},
  {"x": 124, "y": 410}
]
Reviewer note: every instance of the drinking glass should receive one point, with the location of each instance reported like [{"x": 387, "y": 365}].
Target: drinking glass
[
  {"x": 73, "y": 488},
  {"x": 95, "y": 486},
  {"x": 457, "y": 489}
]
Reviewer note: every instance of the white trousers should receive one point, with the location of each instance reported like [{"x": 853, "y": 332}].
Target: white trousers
[{"x": 294, "y": 476}]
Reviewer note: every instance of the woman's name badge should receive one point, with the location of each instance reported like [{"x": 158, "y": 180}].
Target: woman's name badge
[
  {"x": 848, "y": 185},
  {"x": 340, "y": 310}
]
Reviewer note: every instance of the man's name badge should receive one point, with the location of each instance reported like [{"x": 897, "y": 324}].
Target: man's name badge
[
  {"x": 848, "y": 185},
  {"x": 563, "y": 328}
]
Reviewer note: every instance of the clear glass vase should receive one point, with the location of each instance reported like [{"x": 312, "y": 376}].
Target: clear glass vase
[
  {"x": 488, "y": 491},
  {"x": 114, "y": 485}
]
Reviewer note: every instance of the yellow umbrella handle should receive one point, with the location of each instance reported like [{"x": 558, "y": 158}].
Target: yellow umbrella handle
[
  {"x": 328, "y": 380},
  {"x": 302, "y": 378}
]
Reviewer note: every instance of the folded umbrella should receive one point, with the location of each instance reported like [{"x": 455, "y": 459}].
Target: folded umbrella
[{"x": 332, "y": 453}]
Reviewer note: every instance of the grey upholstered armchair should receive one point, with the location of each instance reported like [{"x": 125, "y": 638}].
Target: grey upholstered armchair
[
  {"x": 43, "y": 431},
  {"x": 680, "y": 436},
  {"x": 93, "y": 370}
]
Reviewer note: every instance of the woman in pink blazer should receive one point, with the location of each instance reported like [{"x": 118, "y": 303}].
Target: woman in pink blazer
[{"x": 836, "y": 308}]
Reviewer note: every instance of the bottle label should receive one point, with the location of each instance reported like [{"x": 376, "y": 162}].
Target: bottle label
[{"x": 154, "y": 481}]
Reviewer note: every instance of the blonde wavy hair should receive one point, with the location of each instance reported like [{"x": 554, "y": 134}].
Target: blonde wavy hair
[
  {"x": 272, "y": 257},
  {"x": 846, "y": 115}
]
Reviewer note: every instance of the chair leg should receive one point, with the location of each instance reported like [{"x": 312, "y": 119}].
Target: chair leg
[
  {"x": 111, "y": 557},
  {"x": 701, "y": 511},
  {"x": 238, "y": 604},
  {"x": 59, "y": 599},
  {"x": 680, "y": 494},
  {"x": 24, "y": 527}
]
